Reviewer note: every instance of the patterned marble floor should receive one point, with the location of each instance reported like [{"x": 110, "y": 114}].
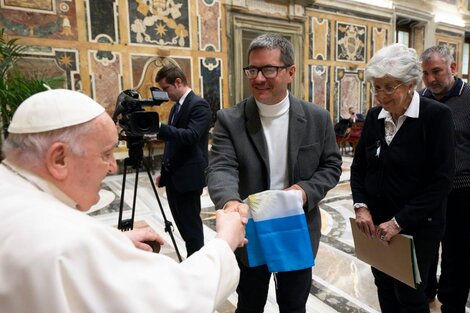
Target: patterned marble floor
[{"x": 341, "y": 282}]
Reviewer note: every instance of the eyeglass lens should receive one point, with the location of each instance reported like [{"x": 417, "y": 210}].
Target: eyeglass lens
[{"x": 267, "y": 71}]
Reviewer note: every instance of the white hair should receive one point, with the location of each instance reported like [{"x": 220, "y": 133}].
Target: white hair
[
  {"x": 31, "y": 148},
  {"x": 397, "y": 61}
]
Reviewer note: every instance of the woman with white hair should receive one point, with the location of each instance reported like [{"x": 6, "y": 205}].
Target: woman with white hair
[{"x": 402, "y": 170}]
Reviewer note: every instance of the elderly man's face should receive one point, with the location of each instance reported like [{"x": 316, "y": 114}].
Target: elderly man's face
[
  {"x": 438, "y": 76},
  {"x": 269, "y": 90},
  {"x": 86, "y": 172}
]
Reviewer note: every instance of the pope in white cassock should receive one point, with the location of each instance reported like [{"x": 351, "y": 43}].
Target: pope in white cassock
[{"x": 56, "y": 259}]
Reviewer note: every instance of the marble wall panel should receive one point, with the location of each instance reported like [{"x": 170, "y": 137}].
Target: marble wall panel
[
  {"x": 319, "y": 37},
  {"x": 41, "y": 67},
  {"x": 351, "y": 40},
  {"x": 209, "y": 19},
  {"x": 379, "y": 39},
  {"x": 454, "y": 2},
  {"x": 454, "y": 43},
  {"x": 349, "y": 91},
  {"x": 105, "y": 69},
  {"x": 211, "y": 83},
  {"x": 159, "y": 22},
  {"x": 451, "y": 45},
  {"x": 140, "y": 77},
  {"x": 102, "y": 20},
  {"x": 319, "y": 85},
  {"x": 418, "y": 39},
  {"x": 60, "y": 64},
  {"x": 52, "y": 19}
]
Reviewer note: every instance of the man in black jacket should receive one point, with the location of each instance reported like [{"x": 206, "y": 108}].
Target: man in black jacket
[
  {"x": 439, "y": 70},
  {"x": 185, "y": 155}
]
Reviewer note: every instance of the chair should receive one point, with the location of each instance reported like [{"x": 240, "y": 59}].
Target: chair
[{"x": 352, "y": 137}]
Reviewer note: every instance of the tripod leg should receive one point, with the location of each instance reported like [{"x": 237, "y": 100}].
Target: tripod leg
[
  {"x": 136, "y": 184},
  {"x": 121, "y": 202},
  {"x": 127, "y": 224},
  {"x": 168, "y": 224}
]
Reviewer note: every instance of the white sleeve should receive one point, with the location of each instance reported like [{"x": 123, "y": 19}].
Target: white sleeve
[{"x": 112, "y": 276}]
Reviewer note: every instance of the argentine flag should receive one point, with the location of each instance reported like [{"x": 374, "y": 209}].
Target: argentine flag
[{"x": 277, "y": 231}]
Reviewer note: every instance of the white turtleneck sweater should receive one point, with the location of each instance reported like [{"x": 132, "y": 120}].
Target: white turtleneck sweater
[{"x": 275, "y": 121}]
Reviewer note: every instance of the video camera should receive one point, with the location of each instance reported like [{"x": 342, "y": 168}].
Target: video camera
[{"x": 135, "y": 121}]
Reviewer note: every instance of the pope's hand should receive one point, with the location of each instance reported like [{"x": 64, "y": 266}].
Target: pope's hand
[{"x": 230, "y": 228}]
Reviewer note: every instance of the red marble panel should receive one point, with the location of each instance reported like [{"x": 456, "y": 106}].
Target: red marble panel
[{"x": 209, "y": 25}]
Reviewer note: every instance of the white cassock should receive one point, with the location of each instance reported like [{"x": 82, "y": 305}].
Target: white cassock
[{"x": 56, "y": 259}]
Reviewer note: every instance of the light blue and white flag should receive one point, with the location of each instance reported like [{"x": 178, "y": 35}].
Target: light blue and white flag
[{"x": 277, "y": 231}]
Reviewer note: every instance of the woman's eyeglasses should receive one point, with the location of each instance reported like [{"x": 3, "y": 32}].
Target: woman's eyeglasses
[{"x": 388, "y": 90}]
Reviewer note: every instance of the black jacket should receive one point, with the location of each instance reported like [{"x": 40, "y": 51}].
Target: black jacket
[
  {"x": 185, "y": 156},
  {"x": 409, "y": 179}
]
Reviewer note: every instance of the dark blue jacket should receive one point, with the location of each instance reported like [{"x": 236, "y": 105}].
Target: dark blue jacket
[{"x": 185, "y": 157}]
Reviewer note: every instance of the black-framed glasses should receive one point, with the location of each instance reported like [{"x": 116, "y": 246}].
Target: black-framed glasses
[
  {"x": 388, "y": 90},
  {"x": 269, "y": 71}
]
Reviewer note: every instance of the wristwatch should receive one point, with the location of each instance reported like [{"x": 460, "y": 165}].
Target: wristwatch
[
  {"x": 396, "y": 223},
  {"x": 360, "y": 205}
]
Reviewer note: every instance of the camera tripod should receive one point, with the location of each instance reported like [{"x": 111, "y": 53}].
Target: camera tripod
[{"x": 136, "y": 159}]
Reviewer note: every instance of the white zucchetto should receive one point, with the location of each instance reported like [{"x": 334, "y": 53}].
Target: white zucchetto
[{"x": 53, "y": 109}]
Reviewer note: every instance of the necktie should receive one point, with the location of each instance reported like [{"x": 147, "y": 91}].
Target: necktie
[{"x": 175, "y": 113}]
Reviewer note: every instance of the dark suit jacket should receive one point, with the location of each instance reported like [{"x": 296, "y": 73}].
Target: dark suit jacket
[
  {"x": 186, "y": 144},
  {"x": 239, "y": 164},
  {"x": 411, "y": 178}
]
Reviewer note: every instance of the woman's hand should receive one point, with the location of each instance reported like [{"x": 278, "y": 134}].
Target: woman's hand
[
  {"x": 386, "y": 231},
  {"x": 364, "y": 222}
]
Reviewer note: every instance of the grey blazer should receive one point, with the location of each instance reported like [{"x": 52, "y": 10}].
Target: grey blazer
[{"x": 239, "y": 162}]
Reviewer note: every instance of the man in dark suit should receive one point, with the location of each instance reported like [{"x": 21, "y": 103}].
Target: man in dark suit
[
  {"x": 273, "y": 141},
  {"x": 185, "y": 155}
]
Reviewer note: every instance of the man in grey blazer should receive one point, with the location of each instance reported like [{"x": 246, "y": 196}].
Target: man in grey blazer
[{"x": 273, "y": 141}]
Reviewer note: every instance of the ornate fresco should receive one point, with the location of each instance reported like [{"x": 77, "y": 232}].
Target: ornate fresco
[
  {"x": 53, "y": 19},
  {"x": 102, "y": 63},
  {"x": 159, "y": 22},
  {"x": 350, "y": 42}
]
